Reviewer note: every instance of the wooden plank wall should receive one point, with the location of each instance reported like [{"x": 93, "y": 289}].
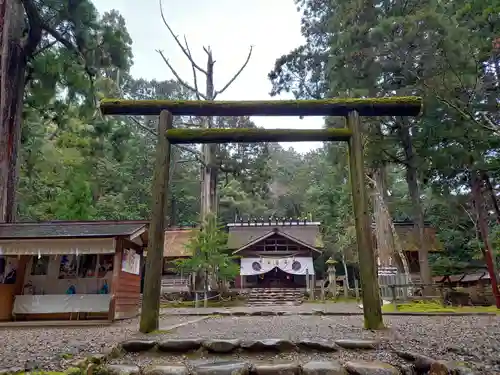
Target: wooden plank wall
[{"x": 125, "y": 289}]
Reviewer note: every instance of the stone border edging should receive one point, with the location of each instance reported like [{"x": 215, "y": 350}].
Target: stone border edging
[
  {"x": 419, "y": 364},
  {"x": 322, "y": 313},
  {"x": 225, "y": 346}
]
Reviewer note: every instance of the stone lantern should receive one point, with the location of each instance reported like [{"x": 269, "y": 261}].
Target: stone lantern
[{"x": 332, "y": 279}]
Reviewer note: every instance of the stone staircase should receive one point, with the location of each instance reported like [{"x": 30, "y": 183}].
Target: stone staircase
[{"x": 275, "y": 296}]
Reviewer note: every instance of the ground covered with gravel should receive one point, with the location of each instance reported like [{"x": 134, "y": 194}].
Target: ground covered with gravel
[
  {"x": 52, "y": 348},
  {"x": 467, "y": 339}
]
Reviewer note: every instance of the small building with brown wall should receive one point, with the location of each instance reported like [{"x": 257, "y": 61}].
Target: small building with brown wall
[
  {"x": 176, "y": 247},
  {"x": 71, "y": 270}
]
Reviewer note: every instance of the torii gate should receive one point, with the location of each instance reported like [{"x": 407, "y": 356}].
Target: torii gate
[{"x": 350, "y": 108}]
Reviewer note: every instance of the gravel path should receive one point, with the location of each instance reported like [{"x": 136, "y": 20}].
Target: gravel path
[
  {"x": 471, "y": 339},
  {"x": 52, "y": 348}
]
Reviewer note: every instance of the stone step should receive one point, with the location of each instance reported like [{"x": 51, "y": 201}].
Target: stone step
[
  {"x": 273, "y": 303},
  {"x": 239, "y": 366},
  {"x": 270, "y": 300},
  {"x": 274, "y": 296}
]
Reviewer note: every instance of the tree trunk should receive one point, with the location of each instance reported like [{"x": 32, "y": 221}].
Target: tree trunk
[
  {"x": 12, "y": 73},
  {"x": 209, "y": 189},
  {"x": 344, "y": 264},
  {"x": 482, "y": 226},
  {"x": 493, "y": 197},
  {"x": 383, "y": 233},
  {"x": 205, "y": 298},
  {"x": 386, "y": 224},
  {"x": 418, "y": 214},
  {"x": 150, "y": 312},
  {"x": 372, "y": 310}
]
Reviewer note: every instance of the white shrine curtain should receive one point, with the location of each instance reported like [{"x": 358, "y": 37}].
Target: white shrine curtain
[{"x": 291, "y": 265}]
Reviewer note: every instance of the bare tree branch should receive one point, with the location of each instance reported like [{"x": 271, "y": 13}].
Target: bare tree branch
[
  {"x": 195, "y": 78},
  {"x": 184, "y": 50},
  {"x": 181, "y": 81},
  {"x": 195, "y": 153},
  {"x": 217, "y": 92}
]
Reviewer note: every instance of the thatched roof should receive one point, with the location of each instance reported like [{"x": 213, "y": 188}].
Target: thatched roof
[
  {"x": 176, "y": 241},
  {"x": 241, "y": 235}
]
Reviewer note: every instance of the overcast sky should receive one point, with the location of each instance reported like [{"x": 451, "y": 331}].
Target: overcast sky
[{"x": 229, "y": 27}]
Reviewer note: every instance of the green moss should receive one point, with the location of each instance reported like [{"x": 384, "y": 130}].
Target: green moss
[
  {"x": 437, "y": 307},
  {"x": 403, "y": 100},
  {"x": 67, "y": 355},
  {"x": 400, "y": 106}
]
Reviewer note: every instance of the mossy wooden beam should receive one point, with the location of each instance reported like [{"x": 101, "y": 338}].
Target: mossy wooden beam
[
  {"x": 187, "y": 136},
  {"x": 389, "y": 106}
]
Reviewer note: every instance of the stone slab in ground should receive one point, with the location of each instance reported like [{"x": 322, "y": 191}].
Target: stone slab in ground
[{"x": 243, "y": 367}]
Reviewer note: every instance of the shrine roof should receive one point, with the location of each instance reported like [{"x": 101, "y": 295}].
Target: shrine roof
[
  {"x": 243, "y": 233},
  {"x": 71, "y": 229}
]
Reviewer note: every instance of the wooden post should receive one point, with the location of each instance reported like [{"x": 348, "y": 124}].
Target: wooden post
[
  {"x": 369, "y": 282},
  {"x": 394, "y": 297},
  {"x": 323, "y": 290},
  {"x": 308, "y": 283},
  {"x": 346, "y": 288},
  {"x": 356, "y": 289},
  {"x": 150, "y": 312},
  {"x": 313, "y": 287}
]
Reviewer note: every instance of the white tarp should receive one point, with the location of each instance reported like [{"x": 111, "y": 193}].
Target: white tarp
[
  {"x": 58, "y": 246},
  {"x": 291, "y": 265},
  {"x": 61, "y": 303}
]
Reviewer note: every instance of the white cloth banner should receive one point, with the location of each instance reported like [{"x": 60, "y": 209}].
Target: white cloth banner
[
  {"x": 61, "y": 303},
  {"x": 291, "y": 265}
]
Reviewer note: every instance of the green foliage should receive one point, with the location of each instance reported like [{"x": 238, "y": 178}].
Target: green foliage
[
  {"x": 210, "y": 254},
  {"x": 77, "y": 165}
]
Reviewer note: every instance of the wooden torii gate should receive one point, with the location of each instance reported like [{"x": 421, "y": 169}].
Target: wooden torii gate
[{"x": 350, "y": 108}]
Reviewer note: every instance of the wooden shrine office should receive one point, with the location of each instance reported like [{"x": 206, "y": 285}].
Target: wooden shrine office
[{"x": 71, "y": 270}]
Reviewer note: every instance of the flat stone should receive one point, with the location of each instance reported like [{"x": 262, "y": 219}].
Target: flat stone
[
  {"x": 166, "y": 370},
  {"x": 255, "y": 313},
  {"x": 322, "y": 346},
  {"x": 448, "y": 367},
  {"x": 221, "y": 346},
  {"x": 421, "y": 362},
  {"x": 122, "y": 370},
  {"x": 135, "y": 346},
  {"x": 323, "y": 368},
  {"x": 239, "y": 313},
  {"x": 276, "y": 368},
  {"x": 408, "y": 369},
  {"x": 371, "y": 368},
  {"x": 318, "y": 312},
  {"x": 179, "y": 345},
  {"x": 222, "y": 368},
  {"x": 275, "y": 345},
  {"x": 357, "y": 344}
]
